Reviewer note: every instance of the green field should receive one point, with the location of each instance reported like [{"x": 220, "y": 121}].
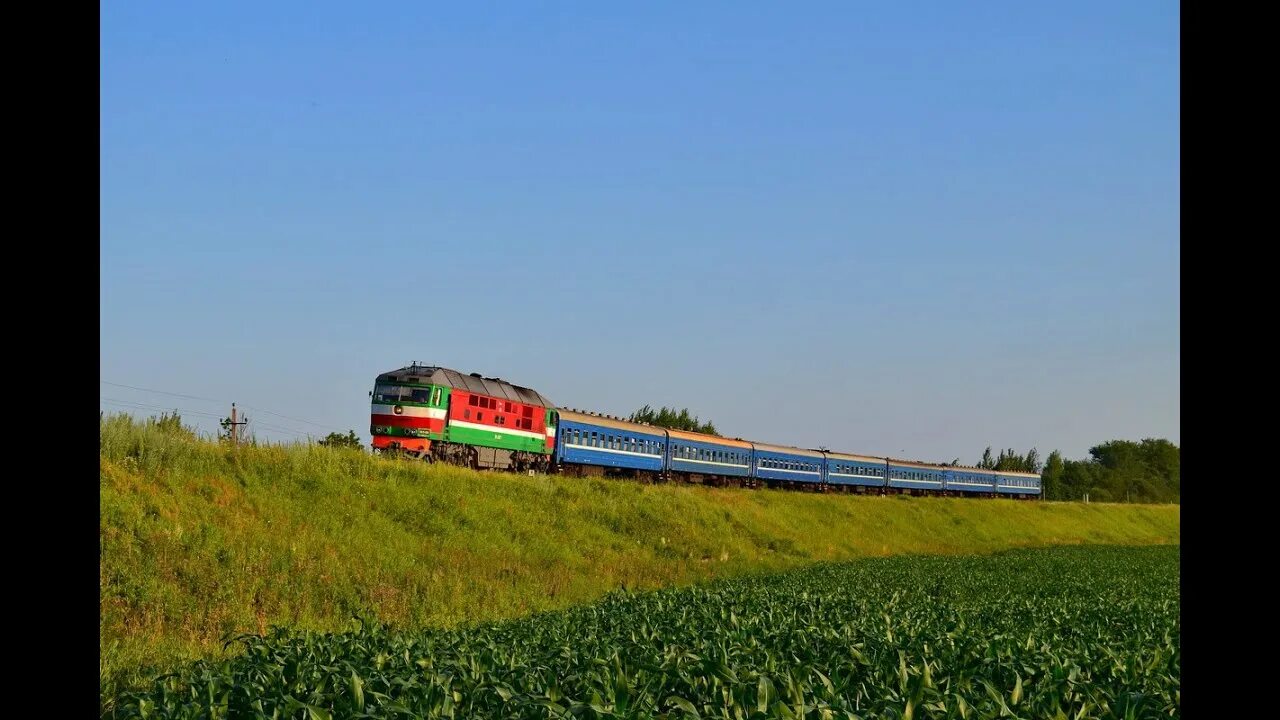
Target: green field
[
  {"x": 199, "y": 541},
  {"x": 1083, "y": 632}
]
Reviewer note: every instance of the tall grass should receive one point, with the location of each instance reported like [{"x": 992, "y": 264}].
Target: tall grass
[{"x": 200, "y": 540}]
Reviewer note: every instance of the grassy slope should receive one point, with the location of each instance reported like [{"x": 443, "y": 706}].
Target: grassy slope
[{"x": 198, "y": 541}]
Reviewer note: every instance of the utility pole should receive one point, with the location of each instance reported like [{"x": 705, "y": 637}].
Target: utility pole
[{"x": 233, "y": 427}]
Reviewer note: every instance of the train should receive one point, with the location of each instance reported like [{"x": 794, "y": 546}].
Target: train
[{"x": 441, "y": 415}]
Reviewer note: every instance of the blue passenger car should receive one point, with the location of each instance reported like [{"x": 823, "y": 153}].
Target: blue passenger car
[
  {"x": 595, "y": 441},
  {"x": 846, "y": 469},
  {"x": 906, "y": 475},
  {"x": 969, "y": 480},
  {"x": 779, "y": 463},
  {"x": 1017, "y": 483},
  {"x": 707, "y": 455}
]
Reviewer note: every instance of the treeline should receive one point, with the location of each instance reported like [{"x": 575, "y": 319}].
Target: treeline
[
  {"x": 1115, "y": 471},
  {"x": 1010, "y": 461},
  {"x": 1118, "y": 471},
  {"x": 672, "y": 420}
]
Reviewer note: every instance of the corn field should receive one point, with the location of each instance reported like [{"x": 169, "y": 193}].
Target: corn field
[{"x": 1072, "y": 632}]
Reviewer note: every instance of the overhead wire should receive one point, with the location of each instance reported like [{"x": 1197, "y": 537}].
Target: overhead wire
[
  {"x": 246, "y": 406},
  {"x": 187, "y": 411}
]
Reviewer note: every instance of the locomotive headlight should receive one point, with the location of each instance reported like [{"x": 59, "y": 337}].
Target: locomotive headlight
[{"x": 399, "y": 410}]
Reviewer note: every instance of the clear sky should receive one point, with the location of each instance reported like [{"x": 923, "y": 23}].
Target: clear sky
[{"x": 904, "y": 228}]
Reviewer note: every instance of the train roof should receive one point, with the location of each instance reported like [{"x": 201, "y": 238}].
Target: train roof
[
  {"x": 703, "y": 437},
  {"x": 787, "y": 449},
  {"x": 589, "y": 418},
  {"x": 918, "y": 464},
  {"x": 1015, "y": 473},
  {"x": 473, "y": 382},
  {"x": 989, "y": 471},
  {"x": 854, "y": 456}
]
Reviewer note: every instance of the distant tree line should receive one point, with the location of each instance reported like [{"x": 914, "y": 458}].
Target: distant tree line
[
  {"x": 672, "y": 420},
  {"x": 1011, "y": 461},
  {"x": 1115, "y": 471},
  {"x": 1118, "y": 471}
]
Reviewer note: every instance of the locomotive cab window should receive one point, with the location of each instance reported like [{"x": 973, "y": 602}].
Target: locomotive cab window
[{"x": 388, "y": 393}]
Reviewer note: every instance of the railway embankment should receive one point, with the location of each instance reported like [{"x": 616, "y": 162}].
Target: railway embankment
[{"x": 200, "y": 541}]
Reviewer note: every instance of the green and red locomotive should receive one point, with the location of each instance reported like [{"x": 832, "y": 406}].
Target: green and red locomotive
[{"x": 441, "y": 414}]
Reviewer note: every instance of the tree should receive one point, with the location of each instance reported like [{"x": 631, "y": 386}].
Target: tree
[
  {"x": 1139, "y": 472},
  {"x": 1051, "y": 478},
  {"x": 338, "y": 440},
  {"x": 1079, "y": 478},
  {"x": 1009, "y": 460},
  {"x": 669, "y": 418},
  {"x": 1032, "y": 461},
  {"x": 987, "y": 463}
]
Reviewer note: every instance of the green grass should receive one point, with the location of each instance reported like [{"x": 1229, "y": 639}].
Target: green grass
[
  {"x": 200, "y": 541},
  {"x": 1081, "y": 632}
]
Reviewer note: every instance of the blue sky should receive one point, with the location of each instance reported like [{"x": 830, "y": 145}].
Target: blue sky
[{"x": 906, "y": 228}]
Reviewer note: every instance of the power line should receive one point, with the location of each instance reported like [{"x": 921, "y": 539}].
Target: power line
[
  {"x": 278, "y": 428},
  {"x": 159, "y": 392},
  {"x": 286, "y": 417},
  {"x": 140, "y": 406},
  {"x": 250, "y": 407},
  {"x": 146, "y": 406},
  {"x": 162, "y": 408}
]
